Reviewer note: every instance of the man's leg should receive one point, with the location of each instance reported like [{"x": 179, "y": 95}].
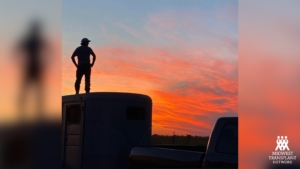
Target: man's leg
[
  {"x": 87, "y": 79},
  {"x": 79, "y": 74}
]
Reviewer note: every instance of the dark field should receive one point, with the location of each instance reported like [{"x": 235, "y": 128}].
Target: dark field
[{"x": 179, "y": 140}]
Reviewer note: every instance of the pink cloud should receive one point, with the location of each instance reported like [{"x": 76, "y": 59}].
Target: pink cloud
[{"x": 128, "y": 29}]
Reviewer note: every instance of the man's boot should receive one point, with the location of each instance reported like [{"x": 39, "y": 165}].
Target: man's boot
[{"x": 77, "y": 90}]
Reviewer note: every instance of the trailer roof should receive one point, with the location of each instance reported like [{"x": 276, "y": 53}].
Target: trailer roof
[{"x": 105, "y": 96}]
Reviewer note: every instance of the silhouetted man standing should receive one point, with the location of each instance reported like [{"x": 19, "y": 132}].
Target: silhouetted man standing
[{"x": 84, "y": 65}]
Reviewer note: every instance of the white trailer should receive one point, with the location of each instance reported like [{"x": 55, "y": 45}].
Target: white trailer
[{"x": 100, "y": 129}]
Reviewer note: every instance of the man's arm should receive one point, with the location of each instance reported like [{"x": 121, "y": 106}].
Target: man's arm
[
  {"x": 73, "y": 58},
  {"x": 94, "y": 58}
]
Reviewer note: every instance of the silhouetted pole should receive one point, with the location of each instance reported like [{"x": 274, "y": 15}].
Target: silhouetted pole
[
  {"x": 173, "y": 137},
  {"x": 188, "y": 137}
]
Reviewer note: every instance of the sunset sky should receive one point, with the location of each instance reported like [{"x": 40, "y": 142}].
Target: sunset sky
[
  {"x": 183, "y": 54},
  {"x": 198, "y": 60}
]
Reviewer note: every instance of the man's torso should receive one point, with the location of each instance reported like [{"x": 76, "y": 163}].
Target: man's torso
[{"x": 83, "y": 55}]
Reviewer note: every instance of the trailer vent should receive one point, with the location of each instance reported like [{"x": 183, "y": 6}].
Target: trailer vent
[
  {"x": 135, "y": 113},
  {"x": 74, "y": 114}
]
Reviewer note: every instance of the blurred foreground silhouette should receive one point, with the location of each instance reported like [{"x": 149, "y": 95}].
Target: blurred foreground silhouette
[
  {"x": 32, "y": 49},
  {"x": 30, "y": 68}
]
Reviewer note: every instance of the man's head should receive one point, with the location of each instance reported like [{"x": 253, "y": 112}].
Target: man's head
[{"x": 85, "y": 42}]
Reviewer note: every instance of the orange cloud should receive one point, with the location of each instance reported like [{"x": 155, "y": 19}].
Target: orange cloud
[{"x": 190, "y": 90}]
